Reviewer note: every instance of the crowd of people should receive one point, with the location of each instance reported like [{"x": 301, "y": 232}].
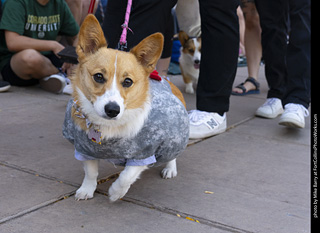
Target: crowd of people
[{"x": 277, "y": 30}]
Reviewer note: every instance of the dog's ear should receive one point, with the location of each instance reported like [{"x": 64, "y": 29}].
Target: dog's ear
[
  {"x": 149, "y": 50},
  {"x": 183, "y": 37},
  {"x": 91, "y": 37}
]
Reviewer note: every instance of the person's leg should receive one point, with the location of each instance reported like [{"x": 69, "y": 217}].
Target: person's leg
[
  {"x": 298, "y": 54},
  {"x": 242, "y": 29},
  {"x": 188, "y": 16},
  {"x": 85, "y": 8},
  {"x": 113, "y": 19},
  {"x": 297, "y": 97},
  {"x": 147, "y": 17},
  {"x": 9, "y": 76},
  {"x": 219, "y": 55},
  {"x": 141, "y": 13},
  {"x": 220, "y": 46},
  {"x": 76, "y": 9},
  {"x": 164, "y": 62},
  {"x": 30, "y": 64},
  {"x": 273, "y": 21},
  {"x": 79, "y": 9},
  {"x": 163, "y": 66},
  {"x": 252, "y": 43}
]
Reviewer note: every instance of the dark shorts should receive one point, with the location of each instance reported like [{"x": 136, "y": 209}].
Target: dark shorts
[
  {"x": 9, "y": 75},
  {"x": 147, "y": 17}
]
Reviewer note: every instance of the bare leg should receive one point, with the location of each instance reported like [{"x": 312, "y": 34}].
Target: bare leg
[
  {"x": 89, "y": 183},
  {"x": 127, "y": 177},
  {"x": 163, "y": 66},
  {"x": 252, "y": 43},
  {"x": 85, "y": 8},
  {"x": 79, "y": 9},
  {"x": 29, "y": 64},
  {"x": 76, "y": 9},
  {"x": 242, "y": 31},
  {"x": 253, "y": 40}
]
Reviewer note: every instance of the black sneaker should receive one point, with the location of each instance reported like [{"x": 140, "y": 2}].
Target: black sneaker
[{"x": 4, "y": 86}]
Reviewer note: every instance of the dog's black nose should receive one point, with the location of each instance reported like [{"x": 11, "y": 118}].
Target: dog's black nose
[
  {"x": 112, "y": 109},
  {"x": 197, "y": 61}
]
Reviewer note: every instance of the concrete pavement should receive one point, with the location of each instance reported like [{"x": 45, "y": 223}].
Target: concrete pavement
[{"x": 253, "y": 178}]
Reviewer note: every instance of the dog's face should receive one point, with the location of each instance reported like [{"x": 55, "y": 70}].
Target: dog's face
[
  {"x": 109, "y": 82},
  {"x": 191, "y": 47}
]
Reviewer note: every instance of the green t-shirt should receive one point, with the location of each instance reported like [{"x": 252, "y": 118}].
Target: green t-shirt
[{"x": 30, "y": 18}]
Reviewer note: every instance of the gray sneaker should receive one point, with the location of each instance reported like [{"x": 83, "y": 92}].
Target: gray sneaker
[{"x": 205, "y": 124}]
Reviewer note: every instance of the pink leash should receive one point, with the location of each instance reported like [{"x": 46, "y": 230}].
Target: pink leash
[{"x": 122, "y": 45}]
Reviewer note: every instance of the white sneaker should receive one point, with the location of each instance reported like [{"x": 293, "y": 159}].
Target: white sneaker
[
  {"x": 68, "y": 90},
  {"x": 206, "y": 124},
  {"x": 270, "y": 109},
  {"x": 54, "y": 83},
  {"x": 294, "y": 115}
]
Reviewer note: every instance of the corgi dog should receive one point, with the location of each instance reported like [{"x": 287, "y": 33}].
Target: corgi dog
[
  {"x": 117, "y": 112},
  {"x": 190, "y": 59}
]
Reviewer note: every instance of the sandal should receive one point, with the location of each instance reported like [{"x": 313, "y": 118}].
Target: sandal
[{"x": 245, "y": 92}]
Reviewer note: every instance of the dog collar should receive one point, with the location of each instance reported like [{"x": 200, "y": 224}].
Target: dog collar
[{"x": 94, "y": 133}]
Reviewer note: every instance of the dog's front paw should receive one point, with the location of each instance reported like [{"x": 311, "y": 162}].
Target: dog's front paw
[
  {"x": 85, "y": 192},
  {"x": 169, "y": 172},
  {"x": 116, "y": 191},
  {"x": 189, "y": 88}
]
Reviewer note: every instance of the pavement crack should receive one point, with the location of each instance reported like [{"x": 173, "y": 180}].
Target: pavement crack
[
  {"x": 186, "y": 216},
  {"x": 36, "y": 207},
  {"x": 196, "y": 141},
  {"x": 179, "y": 214},
  {"x": 35, "y": 173}
]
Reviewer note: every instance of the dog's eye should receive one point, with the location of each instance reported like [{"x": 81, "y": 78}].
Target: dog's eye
[
  {"x": 127, "y": 82},
  {"x": 191, "y": 50},
  {"x": 99, "y": 78}
]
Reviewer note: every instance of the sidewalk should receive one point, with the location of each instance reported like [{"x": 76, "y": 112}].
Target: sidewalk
[{"x": 257, "y": 174}]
